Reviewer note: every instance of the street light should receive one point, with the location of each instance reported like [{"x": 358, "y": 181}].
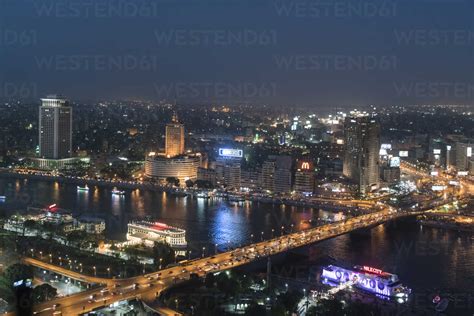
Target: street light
[
  {"x": 203, "y": 250},
  {"x": 282, "y": 228},
  {"x": 215, "y": 249},
  {"x": 161, "y": 260},
  {"x": 261, "y": 236},
  {"x": 32, "y": 256},
  {"x": 50, "y": 258},
  {"x": 95, "y": 271},
  {"x": 108, "y": 271}
]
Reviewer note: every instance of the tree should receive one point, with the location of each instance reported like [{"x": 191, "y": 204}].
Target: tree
[
  {"x": 29, "y": 224},
  {"x": 289, "y": 300},
  {"x": 75, "y": 237},
  {"x": 210, "y": 280},
  {"x": 17, "y": 272},
  {"x": 331, "y": 307},
  {"x": 164, "y": 252},
  {"x": 173, "y": 181},
  {"x": 44, "y": 292},
  {"x": 255, "y": 309}
]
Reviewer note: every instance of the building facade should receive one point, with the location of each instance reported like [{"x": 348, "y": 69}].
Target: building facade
[
  {"x": 361, "y": 152},
  {"x": 55, "y": 128},
  {"x": 184, "y": 167},
  {"x": 174, "y": 141}
]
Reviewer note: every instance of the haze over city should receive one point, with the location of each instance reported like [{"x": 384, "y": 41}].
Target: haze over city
[{"x": 264, "y": 157}]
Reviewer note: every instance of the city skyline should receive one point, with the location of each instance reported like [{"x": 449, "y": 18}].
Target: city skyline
[{"x": 240, "y": 157}]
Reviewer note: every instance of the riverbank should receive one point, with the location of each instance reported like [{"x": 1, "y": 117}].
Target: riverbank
[{"x": 195, "y": 193}]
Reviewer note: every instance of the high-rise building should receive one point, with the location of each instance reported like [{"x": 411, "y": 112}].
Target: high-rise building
[
  {"x": 361, "y": 152},
  {"x": 304, "y": 178},
  {"x": 463, "y": 155},
  {"x": 55, "y": 128},
  {"x": 276, "y": 174},
  {"x": 268, "y": 175},
  {"x": 174, "y": 142}
]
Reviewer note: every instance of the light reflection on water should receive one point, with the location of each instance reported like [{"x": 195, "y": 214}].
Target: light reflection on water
[{"x": 423, "y": 258}]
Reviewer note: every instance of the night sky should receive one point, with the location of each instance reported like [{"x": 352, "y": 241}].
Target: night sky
[{"x": 285, "y": 52}]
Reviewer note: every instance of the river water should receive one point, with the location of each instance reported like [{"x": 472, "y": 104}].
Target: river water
[{"x": 424, "y": 258}]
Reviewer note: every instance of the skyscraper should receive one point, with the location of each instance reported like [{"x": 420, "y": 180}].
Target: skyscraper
[
  {"x": 174, "y": 142},
  {"x": 361, "y": 153},
  {"x": 55, "y": 128}
]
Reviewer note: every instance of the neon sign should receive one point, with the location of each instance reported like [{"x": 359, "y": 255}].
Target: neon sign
[
  {"x": 372, "y": 270},
  {"x": 52, "y": 206}
]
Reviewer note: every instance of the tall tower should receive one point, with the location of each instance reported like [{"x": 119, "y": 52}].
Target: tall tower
[
  {"x": 361, "y": 154},
  {"x": 55, "y": 128},
  {"x": 174, "y": 142}
]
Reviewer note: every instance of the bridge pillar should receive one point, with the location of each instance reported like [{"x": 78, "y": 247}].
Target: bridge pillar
[{"x": 269, "y": 272}]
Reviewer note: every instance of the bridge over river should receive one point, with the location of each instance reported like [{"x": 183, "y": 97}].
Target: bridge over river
[{"x": 149, "y": 286}]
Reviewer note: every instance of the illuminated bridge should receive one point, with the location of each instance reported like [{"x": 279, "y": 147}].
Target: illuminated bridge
[{"x": 149, "y": 286}]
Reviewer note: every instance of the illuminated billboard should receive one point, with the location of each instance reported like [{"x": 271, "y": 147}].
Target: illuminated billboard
[
  {"x": 230, "y": 152},
  {"x": 386, "y": 146},
  {"x": 403, "y": 153},
  {"x": 436, "y": 151},
  {"x": 395, "y": 162}
]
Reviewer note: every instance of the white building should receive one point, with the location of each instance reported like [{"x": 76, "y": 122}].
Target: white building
[{"x": 150, "y": 232}]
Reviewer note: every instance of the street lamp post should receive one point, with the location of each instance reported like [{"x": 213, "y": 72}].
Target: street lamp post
[
  {"x": 108, "y": 271},
  {"x": 95, "y": 270},
  {"x": 273, "y": 232},
  {"x": 261, "y": 236},
  {"x": 215, "y": 249},
  {"x": 161, "y": 260},
  {"x": 203, "y": 250}
]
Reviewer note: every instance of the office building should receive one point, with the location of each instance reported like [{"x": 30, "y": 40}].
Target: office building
[
  {"x": 304, "y": 178},
  {"x": 361, "y": 152},
  {"x": 55, "y": 128}
]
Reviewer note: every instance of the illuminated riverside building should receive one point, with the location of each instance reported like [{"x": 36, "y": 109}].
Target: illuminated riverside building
[
  {"x": 277, "y": 174},
  {"x": 361, "y": 153},
  {"x": 55, "y": 134},
  {"x": 150, "y": 232},
  {"x": 304, "y": 178},
  {"x": 174, "y": 141},
  {"x": 173, "y": 163},
  {"x": 55, "y": 128},
  {"x": 183, "y": 167}
]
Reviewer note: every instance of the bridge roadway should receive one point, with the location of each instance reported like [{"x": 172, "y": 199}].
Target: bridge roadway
[{"x": 147, "y": 287}]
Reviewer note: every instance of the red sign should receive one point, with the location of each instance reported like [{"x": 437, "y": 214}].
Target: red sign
[{"x": 372, "y": 270}]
